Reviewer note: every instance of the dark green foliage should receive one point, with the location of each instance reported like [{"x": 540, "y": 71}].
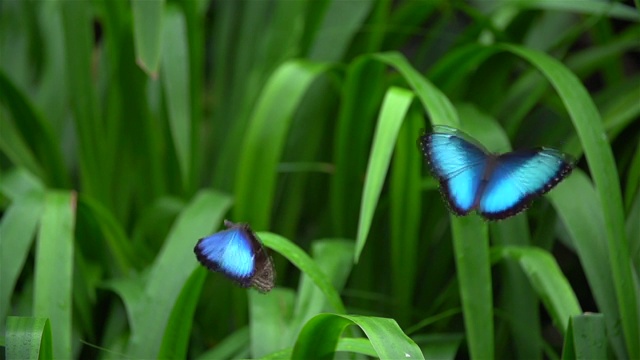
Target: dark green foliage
[{"x": 129, "y": 130}]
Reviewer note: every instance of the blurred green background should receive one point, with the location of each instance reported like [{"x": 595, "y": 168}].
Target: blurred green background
[{"x": 130, "y": 129}]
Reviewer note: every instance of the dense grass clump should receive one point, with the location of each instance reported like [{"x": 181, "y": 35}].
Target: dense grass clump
[{"x": 129, "y": 130}]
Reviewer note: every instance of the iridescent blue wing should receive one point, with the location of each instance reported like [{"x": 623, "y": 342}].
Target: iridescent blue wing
[
  {"x": 238, "y": 254},
  {"x": 519, "y": 177},
  {"x": 458, "y": 164}
]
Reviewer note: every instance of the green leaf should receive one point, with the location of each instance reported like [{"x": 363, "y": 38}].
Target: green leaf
[
  {"x": 175, "y": 341},
  {"x": 584, "y": 339},
  {"x": 583, "y": 218},
  {"x": 547, "y": 279},
  {"x": 319, "y": 337},
  {"x": 174, "y": 73},
  {"x": 335, "y": 259},
  {"x": 405, "y": 213},
  {"x": 588, "y": 125},
  {"x": 17, "y": 230},
  {"x": 270, "y": 316},
  {"x": 28, "y": 338},
  {"x": 302, "y": 261},
  {"x": 29, "y": 140},
  {"x": 148, "y": 30},
  {"x": 265, "y": 140},
  {"x": 473, "y": 267},
  {"x": 394, "y": 107},
  {"x": 170, "y": 271},
  {"x": 54, "y": 268}
]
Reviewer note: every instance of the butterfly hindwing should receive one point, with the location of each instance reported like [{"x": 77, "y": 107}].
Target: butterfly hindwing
[
  {"x": 519, "y": 177},
  {"x": 238, "y": 254},
  {"x": 458, "y": 165}
]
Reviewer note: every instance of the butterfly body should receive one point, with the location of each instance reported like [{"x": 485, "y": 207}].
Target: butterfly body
[
  {"x": 238, "y": 254},
  {"x": 495, "y": 185}
]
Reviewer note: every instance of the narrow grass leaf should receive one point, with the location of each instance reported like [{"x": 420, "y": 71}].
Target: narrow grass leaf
[
  {"x": 435, "y": 103},
  {"x": 320, "y": 336},
  {"x": 174, "y": 72},
  {"x": 341, "y": 21},
  {"x": 362, "y": 92},
  {"x": 394, "y": 108},
  {"x": 175, "y": 341},
  {"x": 473, "y": 267},
  {"x": 234, "y": 346},
  {"x": 588, "y": 125},
  {"x": 17, "y": 150},
  {"x": 405, "y": 213},
  {"x": 302, "y": 261},
  {"x": 265, "y": 140},
  {"x": 78, "y": 39},
  {"x": 172, "y": 268},
  {"x": 54, "y": 268},
  {"x": 147, "y": 29},
  {"x": 547, "y": 279},
  {"x": 584, "y": 222},
  {"x": 29, "y": 139},
  {"x": 28, "y": 338},
  {"x": 269, "y": 319},
  {"x": 440, "y": 346},
  {"x": 335, "y": 258},
  {"x": 17, "y": 230},
  {"x": 584, "y": 338},
  {"x": 19, "y": 183},
  {"x": 117, "y": 241},
  {"x": 590, "y": 7}
]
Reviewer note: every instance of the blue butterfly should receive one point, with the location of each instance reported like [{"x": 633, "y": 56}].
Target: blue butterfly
[
  {"x": 496, "y": 185},
  {"x": 237, "y": 253}
]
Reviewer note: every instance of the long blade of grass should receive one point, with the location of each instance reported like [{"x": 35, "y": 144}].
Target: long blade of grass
[
  {"x": 588, "y": 125},
  {"x": 362, "y": 93},
  {"x": 265, "y": 140},
  {"x": 585, "y": 224},
  {"x": 405, "y": 213},
  {"x": 172, "y": 268},
  {"x": 147, "y": 29},
  {"x": 54, "y": 268},
  {"x": 174, "y": 73},
  {"x": 34, "y": 131},
  {"x": 302, "y": 261},
  {"x": 269, "y": 319},
  {"x": 17, "y": 229},
  {"x": 335, "y": 258},
  {"x": 175, "y": 341},
  {"x": 392, "y": 113},
  {"x": 78, "y": 42},
  {"x": 234, "y": 346},
  {"x": 473, "y": 266},
  {"x": 547, "y": 279},
  {"x": 469, "y": 236}
]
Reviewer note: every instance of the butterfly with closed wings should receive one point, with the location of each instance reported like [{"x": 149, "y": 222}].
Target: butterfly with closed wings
[{"x": 497, "y": 186}]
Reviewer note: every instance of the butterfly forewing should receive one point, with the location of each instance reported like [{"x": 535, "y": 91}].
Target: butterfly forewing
[
  {"x": 458, "y": 165},
  {"x": 238, "y": 254}
]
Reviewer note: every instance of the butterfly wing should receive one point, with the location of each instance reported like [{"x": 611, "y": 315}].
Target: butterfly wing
[
  {"x": 459, "y": 166},
  {"x": 238, "y": 254},
  {"x": 519, "y": 177},
  {"x": 229, "y": 252}
]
